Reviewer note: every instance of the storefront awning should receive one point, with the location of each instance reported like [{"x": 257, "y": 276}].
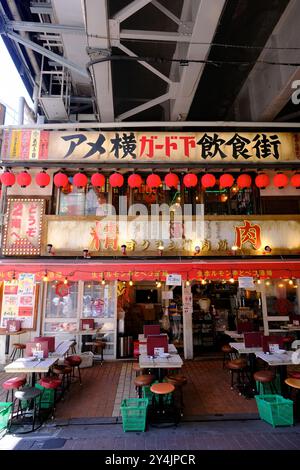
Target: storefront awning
[{"x": 89, "y": 270}]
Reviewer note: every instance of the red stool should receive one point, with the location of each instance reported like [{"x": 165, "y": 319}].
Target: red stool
[
  {"x": 74, "y": 361},
  {"x": 65, "y": 371},
  {"x": 13, "y": 384},
  {"x": 51, "y": 383},
  {"x": 18, "y": 351}
]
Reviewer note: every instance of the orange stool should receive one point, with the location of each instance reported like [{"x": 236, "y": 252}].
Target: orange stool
[
  {"x": 294, "y": 384},
  {"x": 237, "y": 366},
  {"x": 163, "y": 413},
  {"x": 143, "y": 381},
  {"x": 178, "y": 381},
  {"x": 229, "y": 354},
  {"x": 265, "y": 377}
]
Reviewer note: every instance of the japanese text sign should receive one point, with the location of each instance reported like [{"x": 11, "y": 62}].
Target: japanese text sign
[
  {"x": 22, "y": 233},
  {"x": 149, "y": 146}
]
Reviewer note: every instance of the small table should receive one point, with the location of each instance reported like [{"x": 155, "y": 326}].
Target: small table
[
  {"x": 8, "y": 335},
  {"x": 174, "y": 361},
  {"x": 31, "y": 367},
  {"x": 234, "y": 334},
  {"x": 278, "y": 360},
  {"x": 62, "y": 348}
]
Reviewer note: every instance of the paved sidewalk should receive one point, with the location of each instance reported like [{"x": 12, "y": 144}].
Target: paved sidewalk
[{"x": 89, "y": 434}]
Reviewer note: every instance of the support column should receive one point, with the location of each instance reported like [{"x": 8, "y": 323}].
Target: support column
[
  {"x": 264, "y": 308},
  {"x": 298, "y": 296},
  {"x": 187, "y": 321}
]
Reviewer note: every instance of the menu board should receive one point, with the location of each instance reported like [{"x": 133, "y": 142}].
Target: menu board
[{"x": 19, "y": 301}]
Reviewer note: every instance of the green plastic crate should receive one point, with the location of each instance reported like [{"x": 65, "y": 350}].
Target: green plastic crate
[
  {"x": 134, "y": 414},
  {"x": 275, "y": 409},
  {"x": 5, "y": 411},
  {"x": 47, "y": 399}
]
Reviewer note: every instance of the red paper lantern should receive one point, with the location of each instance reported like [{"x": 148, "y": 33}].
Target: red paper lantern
[
  {"x": 60, "y": 180},
  {"x": 244, "y": 181},
  {"x": 190, "y": 180},
  {"x": 226, "y": 180},
  {"x": 116, "y": 180},
  {"x": 280, "y": 180},
  {"x": 153, "y": 181},
  {"x": 135, "y": 181},
  {"x": 171, "y": 180},
  {"x": 8, "y": 179},
  {"x": 42, "y": 179},
  {"x": 23, "y": 179},
  {"x": 98, "y": 180},
  {"x": 295, "y": 180},
  {"x": 80, "y": 180},
  {"x": 208, "y": 180},
  {"x": 262, "y": 180}
]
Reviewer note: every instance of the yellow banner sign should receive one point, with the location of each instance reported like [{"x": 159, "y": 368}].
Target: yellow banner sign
[{"x": 150, "y": 146}]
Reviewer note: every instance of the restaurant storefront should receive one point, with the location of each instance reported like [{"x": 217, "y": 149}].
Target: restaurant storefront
[{"x": 105, "y": 232}]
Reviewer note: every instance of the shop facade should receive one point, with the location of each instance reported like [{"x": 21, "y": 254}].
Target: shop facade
[{"x": 106, "y": 231}]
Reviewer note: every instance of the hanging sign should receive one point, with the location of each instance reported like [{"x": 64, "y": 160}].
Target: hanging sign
[
  {"x": 246, "y": 282},
  {"x": 167, "y": 295},
  {"x": 173, "y": 280}
]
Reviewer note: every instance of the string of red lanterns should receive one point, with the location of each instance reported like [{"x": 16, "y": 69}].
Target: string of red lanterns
[{"x": 171, "y": 180}]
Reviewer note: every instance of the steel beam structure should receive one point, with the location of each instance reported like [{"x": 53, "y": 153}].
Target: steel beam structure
[{"x": 45, "y": 52}]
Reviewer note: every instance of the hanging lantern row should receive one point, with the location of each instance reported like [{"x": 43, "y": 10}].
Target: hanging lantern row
[{"x": 116, "y": 180}]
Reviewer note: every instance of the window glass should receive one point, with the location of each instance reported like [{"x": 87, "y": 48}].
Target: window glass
[
  {"x": 58, "y": 306},
  {"x": 98, "y": 301},
  {"x": 83, "y": 201}
]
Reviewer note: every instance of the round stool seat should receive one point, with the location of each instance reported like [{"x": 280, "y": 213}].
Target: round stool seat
[
  {"x": 19, "y": 346},
  {"x": 162, "y": 388},
  {"x": 236, "y": 364},
  {"x": 294, "y": 383},
  {"x": 50, "y": 382},
  {"x": 62, "y": 369},
  {"x": 264, "y": 376},
  {"x": 73, "y": 361},
  {"x": 143, "y": 380},
  {"x": 177, "y": 380},
  {"x": 294, "y": 375},
  {"x": 226, "y": 348},
  {"x": 28, "y": 393},
  {"x": 14, "y": 382}
]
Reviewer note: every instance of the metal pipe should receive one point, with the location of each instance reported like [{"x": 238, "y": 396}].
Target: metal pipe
[
  {"x": 167, "y": 124},
  {"x": 291, "y": 165},
  {"x": 21, "y": 110}
]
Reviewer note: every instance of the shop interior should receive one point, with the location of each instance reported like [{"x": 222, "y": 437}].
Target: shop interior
[{"x": 218, "y": 306}]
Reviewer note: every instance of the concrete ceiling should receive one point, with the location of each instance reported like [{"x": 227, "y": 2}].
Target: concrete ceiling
[{"x": 166, "y": 31}]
